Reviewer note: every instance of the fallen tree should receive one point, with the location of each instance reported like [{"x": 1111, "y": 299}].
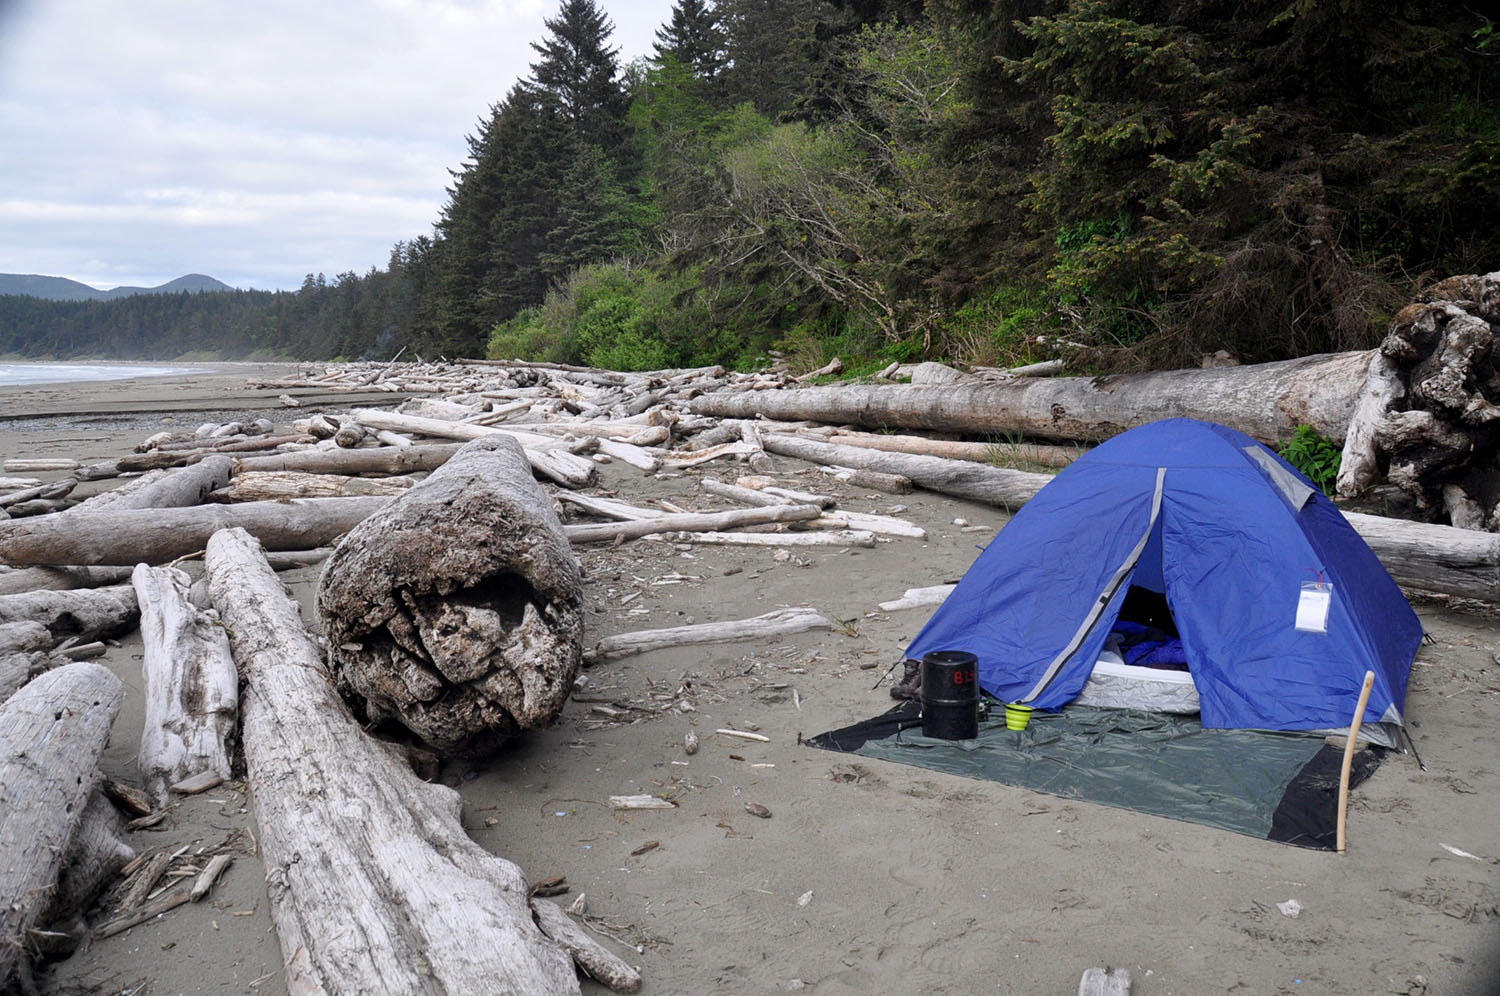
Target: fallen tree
[
  {"x": 52, "y": 733},
  {"x": 1264, "y": 400},
  {"x": 191, "y": 687},
  {"x": 457, "y": 609},
  {"x": 351, "y": 836},
  {"x": 156, "y": 536},
  {"x": 373, "y": 460}
]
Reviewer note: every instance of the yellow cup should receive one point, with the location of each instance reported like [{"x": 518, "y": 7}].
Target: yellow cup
[{"x": 1017, "y": 716}]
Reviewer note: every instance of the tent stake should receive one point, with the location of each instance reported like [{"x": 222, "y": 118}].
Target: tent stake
[{"x": 1359, "y": 715}]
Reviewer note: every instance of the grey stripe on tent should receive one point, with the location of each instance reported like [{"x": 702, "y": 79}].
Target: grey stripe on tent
[
  {"x": 1106, "y": 596},
  {"x": 1293, "y": 490}
]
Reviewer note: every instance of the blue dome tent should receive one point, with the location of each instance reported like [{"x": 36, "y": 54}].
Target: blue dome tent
[{"x": 1279, "y": 604}]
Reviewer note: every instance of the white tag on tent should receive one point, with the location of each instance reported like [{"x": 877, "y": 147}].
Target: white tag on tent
[{"x": 1312, "y": 607}]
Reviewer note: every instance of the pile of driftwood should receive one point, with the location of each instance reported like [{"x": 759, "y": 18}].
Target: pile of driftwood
[{"x": 450, "y": 607}]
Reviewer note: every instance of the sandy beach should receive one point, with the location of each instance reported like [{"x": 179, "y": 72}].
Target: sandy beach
[{"x": 868, "y": 877}]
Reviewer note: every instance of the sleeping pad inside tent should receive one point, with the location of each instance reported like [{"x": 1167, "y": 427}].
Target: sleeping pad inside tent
[{"x": 1182, "y": 568}]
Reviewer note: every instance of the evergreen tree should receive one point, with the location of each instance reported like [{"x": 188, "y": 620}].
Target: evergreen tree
[
  {"x": 694, "y": 38},
  {"x": 579, "y": 69}
]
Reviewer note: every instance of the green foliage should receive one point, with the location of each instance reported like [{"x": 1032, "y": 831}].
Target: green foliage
[{"x": 1316, "y": 456}]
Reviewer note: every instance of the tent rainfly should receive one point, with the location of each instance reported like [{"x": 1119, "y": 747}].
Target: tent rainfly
[{"x": 1279, "y": 605}]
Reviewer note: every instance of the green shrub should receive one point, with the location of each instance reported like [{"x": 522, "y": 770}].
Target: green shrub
[{"x": 1317, "y": 456}]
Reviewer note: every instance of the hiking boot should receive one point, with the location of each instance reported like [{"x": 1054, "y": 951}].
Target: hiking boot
[{"x": 910, "y": 685}]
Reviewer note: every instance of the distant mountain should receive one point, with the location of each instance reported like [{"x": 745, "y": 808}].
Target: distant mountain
[{"x": 63, "y": 289}]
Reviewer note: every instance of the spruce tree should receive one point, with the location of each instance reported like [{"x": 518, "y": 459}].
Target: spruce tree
[
  {"x": 694, "y": 38},
  {"x": 579, "y": 69}
]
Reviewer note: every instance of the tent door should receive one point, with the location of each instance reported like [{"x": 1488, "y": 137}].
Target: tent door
[{"x": 1111, "y": 588}]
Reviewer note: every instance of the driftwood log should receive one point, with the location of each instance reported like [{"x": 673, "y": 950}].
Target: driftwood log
[
  {"x": 60, "y": 578},
  {"x": 545, "y": 455},
  {"x": 779, "y": 622},
  {"x": 376, "y": 460},
  {"x": 52, "y": 734},
  {"x": 191, "y": 687},
  {"x": 87, "y": 613},
  {"x": 96, "y": 853},
  {"x": 457, "y": 610},
  {"x": 156, "y": 536},
  {"x": 278, "y": 485},
  {"x": 351, "y": 837},
  {"x": 163, "y": 489},
  {"x": 1265, "y": 400}
]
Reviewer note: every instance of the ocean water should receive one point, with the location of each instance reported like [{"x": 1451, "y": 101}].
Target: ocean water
[{"x": 13, "y": 374}]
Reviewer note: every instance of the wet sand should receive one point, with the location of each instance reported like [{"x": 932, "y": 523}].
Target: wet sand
[{"x": 869, "y": 877}]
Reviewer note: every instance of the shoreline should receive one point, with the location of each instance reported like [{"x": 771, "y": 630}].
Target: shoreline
[{"x": 915, "y": 880}]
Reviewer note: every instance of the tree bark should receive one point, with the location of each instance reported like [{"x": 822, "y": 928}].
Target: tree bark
[
  {"x": 279, "y": 485},
  {"x": 351, "y": 837},
  {"x": 556, "y": 464},
  {"x": 52, "y": 734},
  {"x": 178, "y": 488},
  {"x": 155, "y": 536},
  {"x": 370, "y": 461},
  {"x": 191, "y": 687},
  {"x": 1267, "y": 401},
  {"x": 457, "y": 610},
  {"x": 779, "y": 622},
  {"x": 88, "y": 613},
  {"x": 692, "y": 522}
]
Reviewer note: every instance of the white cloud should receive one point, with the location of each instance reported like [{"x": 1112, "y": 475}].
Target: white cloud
[{"x": 254, "y": 142}]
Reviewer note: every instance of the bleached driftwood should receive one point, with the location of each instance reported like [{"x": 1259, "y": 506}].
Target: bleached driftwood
[
  {"x": 60, "y": 578},
  {"x": 962, "y": 479},
  {"x": 457, "y": 610},
  {"x": 349, "y": 835},
  {"x": 156, "y": 536},
  {"x": 591, "y": 956},
  {"x": 917, "y": 597},
  {"x": 745, "y": 496},
  {"x": 191, "y": 687},
  {"x": 1266, "y": 400},
  {"x": 841, "y": 537},
  {"x": 52, "y": 733},
  {"x": 557, "y": 464},
  {"x": 273, "y": 485},
  {"x": 177, "y": 488},
  {"x": 87, "y": 613},
  {"x": 885, "y": 525},
  {"x": 780, "y": 622},
  {"x": 873, "y": 480},
  {"x": 96, "y": 853},
  {"x": 609, "y": 508},
  {"x": 370, "y": 461},
  {"x": 691, "y": 522},
  {"x": 998, "y": 453}
]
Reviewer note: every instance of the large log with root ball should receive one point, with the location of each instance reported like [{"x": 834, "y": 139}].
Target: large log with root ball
[
  {"x": 375, "y": 887},
  {"x": 156, "y": 536},
  {"x": 1428, "y": 417},
  {"x": 456, "y": 610},
  {"x": 1264, "y": 400},
  {"x": 52, "y": 733},
  {"x": 192, "y": 690}
]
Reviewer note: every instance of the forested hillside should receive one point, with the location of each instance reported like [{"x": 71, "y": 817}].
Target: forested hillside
[{"x": 888, "y": 179}]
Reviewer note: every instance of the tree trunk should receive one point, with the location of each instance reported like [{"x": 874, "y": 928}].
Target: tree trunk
[
  {"x": 371, "y": 461},
  {"x": 351, "y": 837},
  {"x": 1266, "y": 400},
  {"x": 691, "y": 522},
  {"x": 779, "y": 622},
  {"x": 62, "y": 578},
  {"x": 279, "y": 485},
  {"x": 95, "y": 855},
  {"x": 557, "y": 464},
  {"x": 88, "y": 613},
  {"x": 998, "y": 453},
  {"x": 458, "y": 609},
  {"x": 52, "y": 734},
  {"x": 191, "y": 687},
  {"x": 178, "y": 488},
  {"x": 155, "y": 536}
]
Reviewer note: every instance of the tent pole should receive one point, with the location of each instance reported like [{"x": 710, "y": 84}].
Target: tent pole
[{"x": 1359, "y": 715}]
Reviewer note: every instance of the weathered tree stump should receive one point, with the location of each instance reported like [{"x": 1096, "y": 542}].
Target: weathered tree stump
[{"x": 456, "y": 611}]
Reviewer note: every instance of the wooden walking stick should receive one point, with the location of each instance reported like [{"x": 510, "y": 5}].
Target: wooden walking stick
[{"x": 1359, "y": 715}]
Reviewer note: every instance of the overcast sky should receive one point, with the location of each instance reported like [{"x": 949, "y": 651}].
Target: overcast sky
[{"x": 255, "y": 141}]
